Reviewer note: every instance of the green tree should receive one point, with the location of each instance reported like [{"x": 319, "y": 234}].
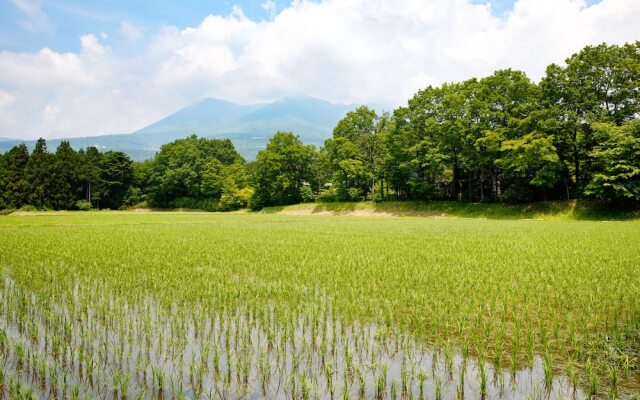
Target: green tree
[
  {"x": 116, "y": 175},
  {"x": 64, "y": 178},
  {"x": 140, "y": 188},
  {"x": 17, "y": 186},
  {"x": 89, "y": 176},
  {"x": 281, "y": 170},
  {"x": 355, "y": 154},
  {"x": 533, "y": 159},
  {"x": 616, "y": 162},
  {"x": 227, "y": 183},
  {"x": 179, "y": 167},
  {"x": 3, "y": 182},
  {"x": 598, "y": 84},
  {"x": 36, "y": 172},
  {"x": 506, "y": 101}
]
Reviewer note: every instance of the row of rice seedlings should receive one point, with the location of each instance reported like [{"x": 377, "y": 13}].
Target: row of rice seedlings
[
  {"x": 86, "y": 342},
  {"x": 511, "y": 293}
]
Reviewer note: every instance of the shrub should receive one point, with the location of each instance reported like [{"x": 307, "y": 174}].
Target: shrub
[
  {"x": 355, "y": 194},
  {"x": 307, "y": 194},
  {"x": 235, "y": 199},
  {"x": 83, "y": 205},
  {"x": 517, "y": 193},
  {"x": 328, "y": 195}
]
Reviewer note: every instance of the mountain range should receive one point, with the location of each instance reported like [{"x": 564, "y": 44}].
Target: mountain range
[{"x": 248, "y": 126}]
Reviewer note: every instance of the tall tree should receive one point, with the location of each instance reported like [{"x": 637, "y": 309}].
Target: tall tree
[
  {"x": 3, "y": 182},
  {"x": 37, "y": 172},
  {"x": 282, "y": 169},
  {"x": 356, "y": 152},
  {"x": 507, "y": 99},
  {"x": 17, "y": 185},
  {"x": 89, "y": 176},
  {"x": 65, "y": 185},
  {"x": 179, "y": 167},
  {"x": 116, "y": 174},
  {"x": 616, "y": 162},
  {"x": 598, "y": 84}
]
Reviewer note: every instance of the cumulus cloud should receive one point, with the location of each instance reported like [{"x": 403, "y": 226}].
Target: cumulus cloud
[{"x": 363, "y": 51}]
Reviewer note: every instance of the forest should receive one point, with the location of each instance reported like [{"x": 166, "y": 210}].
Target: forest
[{"x": 501, "y": 138}]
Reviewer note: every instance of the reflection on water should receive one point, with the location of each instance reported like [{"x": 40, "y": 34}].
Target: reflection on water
[{"x": 91, "y": 343}]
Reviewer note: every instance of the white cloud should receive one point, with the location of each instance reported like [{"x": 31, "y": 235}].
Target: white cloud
[
  {"x": 130, "y": 32},
  {"x": 269, "y": 7},
  {"x": 6, "y": 100},
  {"x": 36, "y": 20},
  {"x": 90, "y": 44},
  {"x": 373, "y": 51}
]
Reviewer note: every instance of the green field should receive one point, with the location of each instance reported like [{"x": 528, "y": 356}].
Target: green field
[{"x": 207, "y": 305}]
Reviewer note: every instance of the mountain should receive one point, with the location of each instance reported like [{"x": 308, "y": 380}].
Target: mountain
[
  {"x": 201, "y": 117},
  {"x": 248, "y": 126}
]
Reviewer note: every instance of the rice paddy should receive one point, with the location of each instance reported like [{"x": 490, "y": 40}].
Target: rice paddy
[{"x": 224, "y": 306}]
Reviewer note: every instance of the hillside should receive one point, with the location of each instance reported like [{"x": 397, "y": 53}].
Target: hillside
[{"x": 248, "y": 126}]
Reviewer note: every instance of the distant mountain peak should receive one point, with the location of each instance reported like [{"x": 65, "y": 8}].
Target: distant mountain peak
[{"x": 248, "y": 126}]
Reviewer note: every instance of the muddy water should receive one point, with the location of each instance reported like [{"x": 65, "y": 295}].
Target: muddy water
[{"x": 89, "y": 343}]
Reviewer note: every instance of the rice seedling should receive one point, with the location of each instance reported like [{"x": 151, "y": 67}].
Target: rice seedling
[{"x": 124, "y": 306}]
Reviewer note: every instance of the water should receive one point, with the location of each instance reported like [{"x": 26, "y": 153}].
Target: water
[{"x": 89, "y": 342}]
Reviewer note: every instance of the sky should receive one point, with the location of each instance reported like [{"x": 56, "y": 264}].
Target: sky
[{"x": 73, "y": 68}]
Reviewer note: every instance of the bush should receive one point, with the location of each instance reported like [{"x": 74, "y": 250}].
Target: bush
[
  {"x": 307, "y": 195},
  {"x": 244, "y": 196},
  {"x": 83, "y": 205},
  {"x": 7, "y": 211},
  {"x": 329, "y": 195},
  {"x": 142, "y": 204},
  {"x": 517, "y": 193},
  {"x": 235, "y": 199},
  {"x": 355, "y": 194},
  {"x": 134, "y": 197},
  {"x": 29, "y": 207}
]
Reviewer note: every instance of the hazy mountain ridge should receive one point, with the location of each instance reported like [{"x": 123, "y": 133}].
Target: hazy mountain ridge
[{"x": 248, "y": 126}]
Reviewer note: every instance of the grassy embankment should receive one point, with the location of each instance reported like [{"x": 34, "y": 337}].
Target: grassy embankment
[{"x": 552, "y": 210}]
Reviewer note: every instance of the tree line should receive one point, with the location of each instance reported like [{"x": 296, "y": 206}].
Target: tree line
[
  {"x": 575, "y": 134},
  {"x": 66, "y": 179}
]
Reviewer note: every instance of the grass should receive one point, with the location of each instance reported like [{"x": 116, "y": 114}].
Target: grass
[
  {"x": 556, "y": 210},
  {"x": 411, "y": 301}
]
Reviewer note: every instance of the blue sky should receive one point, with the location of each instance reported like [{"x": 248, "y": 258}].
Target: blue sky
[
  {"x": 66, "y": 20},
  {"x": 79, "y": 68}
]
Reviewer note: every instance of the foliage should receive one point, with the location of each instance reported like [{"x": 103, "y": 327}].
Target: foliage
[
  {"x": 179, "y": 165},
  {"x": 500, "y": 138},
  {"x": 327, "y": 195},
  {"x": 83, "y": 205},
  {"x": 59, "y": 181},
  {"x": 616, "y": 162},
  {"x": 198, "y": 169},
  {"x": 281, "y": 170},
  {"x": 306, "y": 194},
  {"x": 355, "y": 154}
]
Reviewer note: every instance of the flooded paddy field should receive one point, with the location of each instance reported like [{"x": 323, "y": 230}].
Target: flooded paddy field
[{"x": 169, "y": 306}]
